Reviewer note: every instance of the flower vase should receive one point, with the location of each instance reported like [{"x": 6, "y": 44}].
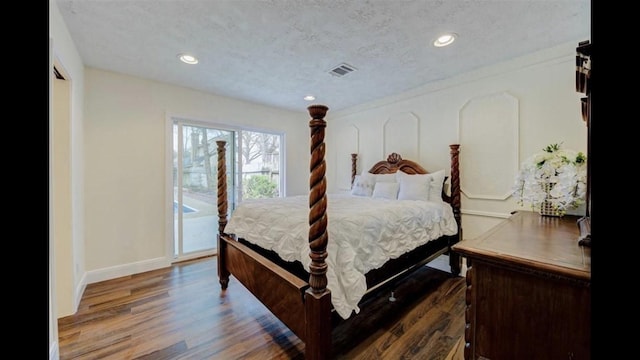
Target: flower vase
[{"x": 546, "y": 207}]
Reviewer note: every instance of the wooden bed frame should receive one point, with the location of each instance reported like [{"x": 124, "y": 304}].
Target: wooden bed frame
[{"x": 305, "y": 305}]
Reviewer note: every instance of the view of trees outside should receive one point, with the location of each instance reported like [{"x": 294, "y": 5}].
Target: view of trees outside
[
  {"x": 260, "y": 186},
  {"x": 200, "y": 158},
  {"x": 260, "y": 165},
  {"x": 260, "y": 160}
]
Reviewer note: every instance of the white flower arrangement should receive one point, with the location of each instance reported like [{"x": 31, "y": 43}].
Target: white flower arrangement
[{"x": 555, "y": 176}]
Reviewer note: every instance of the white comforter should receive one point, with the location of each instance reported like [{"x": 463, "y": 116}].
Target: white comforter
[{"x": 363, "y": 234}]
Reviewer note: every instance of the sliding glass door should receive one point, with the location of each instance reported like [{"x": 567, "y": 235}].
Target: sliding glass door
[
  {"x": 195, "y": 180},
  {"x": 253, "y": 161}
]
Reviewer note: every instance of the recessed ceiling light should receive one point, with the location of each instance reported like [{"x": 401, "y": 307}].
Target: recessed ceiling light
[
  {"x": 188, "y": 59},
  {"x": 309, "y": 97},
  {"x": 444, "y": 40}
]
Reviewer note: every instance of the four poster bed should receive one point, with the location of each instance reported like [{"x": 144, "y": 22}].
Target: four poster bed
[{"x": 351, "y": 244}]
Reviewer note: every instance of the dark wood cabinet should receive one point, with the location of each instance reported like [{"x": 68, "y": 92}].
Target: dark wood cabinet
[{"x": 528, "y": 290}]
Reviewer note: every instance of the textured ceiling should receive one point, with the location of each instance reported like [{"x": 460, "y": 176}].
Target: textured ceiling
[{"x": 274, "y": 52}]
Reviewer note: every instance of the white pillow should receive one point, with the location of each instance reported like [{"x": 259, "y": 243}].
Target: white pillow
[
  {"x": 384, "y": 177},
  {"x": 362, "y": 186},
  {"x": 437, "y": 181},
  {"x": 386, "y": 190},
  {"x": 414, "y": 187}
]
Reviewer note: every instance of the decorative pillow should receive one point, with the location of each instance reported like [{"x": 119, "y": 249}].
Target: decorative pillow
[
  {"x": 414, "y": 187},
  {"x": 362, "y": 186},
  {"x": 386, "y": 190},
  {"x": 437, "y": 182}
]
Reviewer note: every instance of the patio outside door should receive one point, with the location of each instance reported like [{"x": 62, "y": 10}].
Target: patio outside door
[{"x": 195, "y": 183}]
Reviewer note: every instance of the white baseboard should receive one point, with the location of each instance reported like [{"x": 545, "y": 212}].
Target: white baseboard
[
  {"x": 53, "y": 351},
  {"x": 125, "y": 270},
  {"x": 77, "y": 296},
  {"x": 486, "y": 213},
  {"x": 112, "y": 273}
]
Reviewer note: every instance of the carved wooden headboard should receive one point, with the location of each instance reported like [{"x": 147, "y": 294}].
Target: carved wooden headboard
[{"x": 395, "y": 163}]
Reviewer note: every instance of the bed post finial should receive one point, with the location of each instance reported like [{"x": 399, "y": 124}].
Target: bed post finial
[
  {"x": 318, "y": 112},
  {"x": 317, "y": 201}
]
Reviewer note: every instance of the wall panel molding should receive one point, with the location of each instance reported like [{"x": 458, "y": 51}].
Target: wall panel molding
[
  {"x": 488, "y": 131},
  {"x": 401, "y": 135}
]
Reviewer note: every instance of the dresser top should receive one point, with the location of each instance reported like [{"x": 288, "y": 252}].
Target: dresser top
[{"x": 530, "y": 240}]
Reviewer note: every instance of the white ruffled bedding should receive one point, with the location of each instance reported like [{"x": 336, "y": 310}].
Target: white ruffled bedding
[{"x": 363, "y": 234}]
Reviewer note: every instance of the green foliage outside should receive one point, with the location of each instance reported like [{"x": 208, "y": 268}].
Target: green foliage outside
[{"x": 259, "y": 186}]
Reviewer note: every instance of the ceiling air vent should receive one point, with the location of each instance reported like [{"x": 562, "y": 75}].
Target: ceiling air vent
[{"x": 342, "y": 70}]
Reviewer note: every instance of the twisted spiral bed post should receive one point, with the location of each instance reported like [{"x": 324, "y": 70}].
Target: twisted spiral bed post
[
  {"x": 455, "y": 260},
  {"x": 354, "y": 159},
  {"x": 455, "y": 180},
  {"x": 223, "y": 272},
  {"x": 222, "y": 186},
  {"x": 317, "y": 201}
]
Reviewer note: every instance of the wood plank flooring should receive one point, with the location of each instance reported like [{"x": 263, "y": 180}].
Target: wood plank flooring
[{"x": 181, "y": 312}]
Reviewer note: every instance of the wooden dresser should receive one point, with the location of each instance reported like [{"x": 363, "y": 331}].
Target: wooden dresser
[{"x": 528, "y": 290}]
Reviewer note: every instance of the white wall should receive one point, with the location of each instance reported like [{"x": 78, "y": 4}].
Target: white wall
[
  {"x": 66, "y": 242},
  {"x": 62, "y": 195},
  {"x": 548, "y": 111},
  {"x": 125, "y": 122}
]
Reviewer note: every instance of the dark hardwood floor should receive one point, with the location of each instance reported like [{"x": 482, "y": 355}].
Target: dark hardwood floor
[{"x": 181, "y": 313}]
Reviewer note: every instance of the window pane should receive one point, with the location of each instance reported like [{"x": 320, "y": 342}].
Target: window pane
[{"x": 260, "y": 165}]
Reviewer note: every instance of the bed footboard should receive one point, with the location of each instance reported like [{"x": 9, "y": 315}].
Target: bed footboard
[
  {"x": 281, "y": 292},
  {"x": 305, "y": 307}
]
